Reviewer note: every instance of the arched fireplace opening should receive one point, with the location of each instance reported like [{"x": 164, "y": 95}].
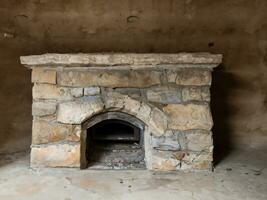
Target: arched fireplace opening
[{"x": 115, "y": 144}]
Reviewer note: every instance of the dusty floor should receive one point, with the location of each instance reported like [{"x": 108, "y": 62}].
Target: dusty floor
[{"x": 241, "y": 175}]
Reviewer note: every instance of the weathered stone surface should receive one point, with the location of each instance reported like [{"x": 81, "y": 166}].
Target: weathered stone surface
[
  {"x": 41, "y": 108},
  {"x": 43, "y": 75},
  {"x": 171, "y": 76},
  {"x": 47, "y": 132},
  {"x": 73, "y": 92},
  {"x": 109, "y": 78},
  {"x": 165, "y": 95},
  {"x": 45, "y": 91},
  {"x": 165, "y": 161},
  {"x": 48, "y": 91},
  {"x": 115, "y": 100},
  {"x": 118, "y": 101},
  {"x": 195, "y": 140},
  {"x": 56, "y": 155},
  {"x": 196, "y": 94},
  {"x": 155, "y": 118},
  {"x": 121, "y": 59},
  {"x": 91, "y": 91},
  {"x": 158, "y": 122},
  {"x": 124, "y": 103},
  {"x": 192, "y": 77},
  {"x": 184, "y": 160},
  {"x": 144, "y": 112},
  {"x": 203, "y": 165},
  {"x": 167, "y": 142},
  {"x": 131, "y": 92},
  {"x": 189, "y": 116},
  {"x": 179, "y": 155},
  {"x": 75, "y": 112},
  {"x": 197, "y": 161},
  {"x": 199, "y": 140},
  {"x": 205, "y": 94}
]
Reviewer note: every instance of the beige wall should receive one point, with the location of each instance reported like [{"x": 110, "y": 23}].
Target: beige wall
[{"x": 235, "y": 28}]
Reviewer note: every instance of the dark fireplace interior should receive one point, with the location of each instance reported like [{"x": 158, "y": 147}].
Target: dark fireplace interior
[{"x": 115, "y": 144}]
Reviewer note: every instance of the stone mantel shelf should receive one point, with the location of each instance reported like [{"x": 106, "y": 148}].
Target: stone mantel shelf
[{"x": 205, "y": 60}]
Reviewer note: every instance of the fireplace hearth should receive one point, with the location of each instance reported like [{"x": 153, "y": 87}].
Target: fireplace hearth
[{"x": 122, "y": 111}]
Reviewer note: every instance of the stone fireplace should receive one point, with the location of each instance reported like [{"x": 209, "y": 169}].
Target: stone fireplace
[{"x": 122, "y": 111}]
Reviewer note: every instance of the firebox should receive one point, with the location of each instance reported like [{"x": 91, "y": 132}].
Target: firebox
[
  {"x": 115, "y": 144},
  {"x": 122, "y": 111},
  {"x": 115, "y": 131}
]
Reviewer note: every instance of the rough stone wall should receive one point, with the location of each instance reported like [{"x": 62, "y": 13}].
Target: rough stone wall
[
  {"x": 235, "y": 28},
  {"x": 173, "y": 103}
]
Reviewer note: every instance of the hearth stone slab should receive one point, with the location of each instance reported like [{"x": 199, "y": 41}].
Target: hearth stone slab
[{"x": 169, "y": 94}]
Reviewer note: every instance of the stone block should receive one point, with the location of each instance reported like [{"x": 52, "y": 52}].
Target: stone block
[
  {"x": 164, "y": 95},
  {"x": 156, "y": 118},
  {"x": 43, "y": 108},
  {"x": 205, "y": 93},
  {"x": 56, "y": 155},
  {"x": 203, "y": 165},
  {"x": 47, "y": 132},
  {"x": 43, "y": 75},
  {"x": 116, "y": 101},
  {"x": 189, "y": 116},
  {"x": 167, "y": 142},
  {"x": 193, "y": 77},
  {"x": 165, "y": 161},
  {"x": 109, "y": 78},
  {"x": 199, "y": 140},
  {"x": 48, "y": 91},
  {"x": 196, "y": 94},
  {"x": 198, "y": 161},
  {"x": 144, "y": 112},
  {"x": 131, "y": 92},
  {"x": 72, "y": 92},
  {"x": 90, "y": 91},
  {"x": 131, "y": 105},
  {"x": 66, "y": 93},
  {"x": 45, "y": 91},
  {"x": 76, "y": 111},
  {"x": 158, "y": 122}
]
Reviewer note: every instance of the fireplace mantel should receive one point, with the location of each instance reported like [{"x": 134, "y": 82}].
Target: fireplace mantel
[
  {"x": 166, "y": 97},
  {"x": 117, "y": 59}
]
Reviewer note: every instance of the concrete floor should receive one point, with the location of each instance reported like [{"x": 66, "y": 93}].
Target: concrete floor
[{"x": 241, "y": 175}]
